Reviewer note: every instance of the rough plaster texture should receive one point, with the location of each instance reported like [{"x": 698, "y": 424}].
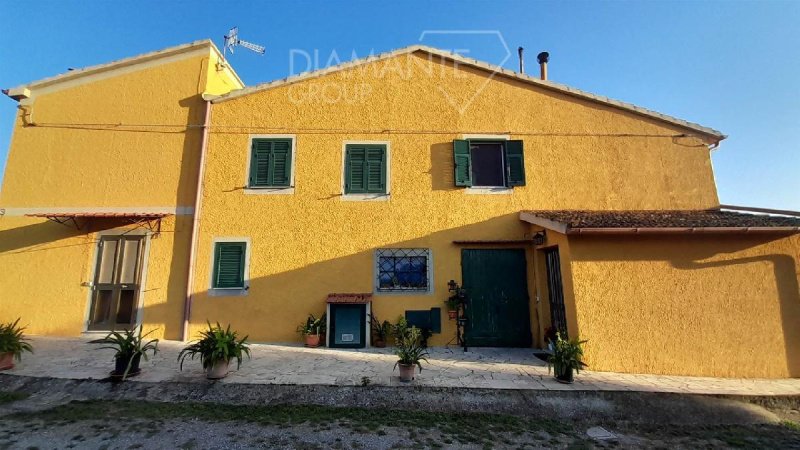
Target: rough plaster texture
[
  {"x": 100, "y": 142},
  {"x": 707, "y": 305},
  {"x": 44, "y": 265},
  {"x": 311, "y": 243}
]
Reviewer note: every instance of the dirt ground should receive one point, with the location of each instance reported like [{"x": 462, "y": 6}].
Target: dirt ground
[{"x": 130, "y": 424}]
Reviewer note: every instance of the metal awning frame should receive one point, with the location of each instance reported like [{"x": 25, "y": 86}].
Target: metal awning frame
[{"x": 150, "y": 221}]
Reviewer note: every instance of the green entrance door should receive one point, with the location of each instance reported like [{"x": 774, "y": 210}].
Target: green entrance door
[{"x": 497, "y": 297}]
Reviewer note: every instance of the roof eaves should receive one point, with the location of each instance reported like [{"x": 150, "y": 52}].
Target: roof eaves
[
  {"x": 485, "y": 66},
  {"x": 77, "y": 73}
]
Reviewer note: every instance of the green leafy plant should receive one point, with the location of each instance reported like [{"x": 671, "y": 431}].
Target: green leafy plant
[
  {"x": 382, "y": 330},
  {"x": 128, "y": 344},
  {"x": 409, "y": 348},
  {"x": 402, "y": 328},
  {"x": 215, "y": 345},
  {"x": 457, "y": 297},
  {"x": 567, "y": 354},
  {"x": 13, "y": 340},
  {"x": 312, "y": 325}
]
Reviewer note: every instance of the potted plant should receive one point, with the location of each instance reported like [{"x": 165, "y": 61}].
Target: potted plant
[
  {"x": 567, "y": 356},
  {"x": 130, "y": 348},
  {"x": 12, "y": 344},
  {"x": 380, "y": 330},
  {"x": 311, "y": 330},
  {"x": 410, "y": 353},
  {"x": 216, "y": 348},
  {"x": 456, "y": 298}
]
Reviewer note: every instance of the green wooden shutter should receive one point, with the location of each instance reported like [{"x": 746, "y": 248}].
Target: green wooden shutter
[
  {"x": 229, "y": 265},
  {"x": 515, "y": 163},
  {"x": 376, "y": 170},
  {"x": 271, "y": 163},
  {"x": 281, "y": 167},
  {"x": 355, "y": 170},
  {"x": 463, "y": 163},
  {"x": 260, "y": 163}
]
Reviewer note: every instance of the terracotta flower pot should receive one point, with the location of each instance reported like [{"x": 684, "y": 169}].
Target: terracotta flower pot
[
  {"x": 380, "y": 343},
  {"x": 218, "y": 370},
  {"x": 452, "y": 314},
  {"x": 406, "y": 371},
  {"x": 312, "y": 340},
  {"x": 6, "y": 361}
]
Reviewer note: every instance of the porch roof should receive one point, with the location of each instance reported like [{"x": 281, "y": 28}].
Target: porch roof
[
  {"x": 349, "y": 298},
  {"x": 151, "y": 220},
  {"x": 660, "y": 221}
]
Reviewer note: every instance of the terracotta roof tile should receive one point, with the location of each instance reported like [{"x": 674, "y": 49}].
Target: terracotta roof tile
[
  {"x": 575, "y": 220},
  {"x": 349, "y": 298}
]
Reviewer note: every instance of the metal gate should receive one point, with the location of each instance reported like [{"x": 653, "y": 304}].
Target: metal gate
[{"x": 558, "y": 313}]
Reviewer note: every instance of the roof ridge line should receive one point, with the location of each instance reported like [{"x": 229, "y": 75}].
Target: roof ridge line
[{"x": 547, "y": 84}]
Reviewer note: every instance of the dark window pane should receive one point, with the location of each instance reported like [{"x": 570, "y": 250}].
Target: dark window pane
[{"x": 487, "y": 164}]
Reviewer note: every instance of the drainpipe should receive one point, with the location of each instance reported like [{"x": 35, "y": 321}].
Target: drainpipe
[{"x": 187, "y": 306}]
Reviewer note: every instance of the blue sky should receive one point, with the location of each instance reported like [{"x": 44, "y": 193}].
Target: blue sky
[{"x": 729, "y": 65}]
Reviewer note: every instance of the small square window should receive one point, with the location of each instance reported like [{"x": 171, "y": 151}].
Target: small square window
[
  {"x": 270, "y": 163},
  {"x": 229, "y": 262},
  {"x": 403, "y": 270}
]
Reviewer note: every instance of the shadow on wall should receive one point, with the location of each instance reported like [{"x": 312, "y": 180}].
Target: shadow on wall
[
  {"x": 275, "y": 304},
  {"x": 692, "y": 253}
]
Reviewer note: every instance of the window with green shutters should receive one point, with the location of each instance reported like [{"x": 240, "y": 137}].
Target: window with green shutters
[
  {"x": 365, "y": 169},
  {"x": 484, "y": 163},
  {"x": 229, "y": 262},
  {"x": 270, "y": 163}
]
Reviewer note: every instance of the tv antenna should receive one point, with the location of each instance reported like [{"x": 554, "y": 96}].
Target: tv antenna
[{"x": 232, "y": 40}]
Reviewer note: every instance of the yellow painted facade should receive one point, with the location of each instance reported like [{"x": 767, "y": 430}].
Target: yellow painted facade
[
  {"x": 314, "y": 242},
  {"x": 705, "y": 305},
  {"x": 120, "y": 138},
  {"x": 719, "y": 305}
]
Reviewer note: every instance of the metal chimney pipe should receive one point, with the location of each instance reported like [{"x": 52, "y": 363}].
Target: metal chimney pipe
[
  {"x": 543, "y": 58},
  {"x": 521, "y": 60}
]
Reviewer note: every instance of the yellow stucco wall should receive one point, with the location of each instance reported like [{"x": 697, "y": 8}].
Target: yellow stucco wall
[
  {"x": 312, "y": 242},
  {"x": 117, "y": 139},
  {"x": 709, "y": 305},
  {"x": 45, "y": 264}
]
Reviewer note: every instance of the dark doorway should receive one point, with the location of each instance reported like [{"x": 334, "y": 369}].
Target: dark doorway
[
  {"x": 497, "y": 297},
  {"x": 116, "y": 283},
  {"x": 558, "y": 313}
]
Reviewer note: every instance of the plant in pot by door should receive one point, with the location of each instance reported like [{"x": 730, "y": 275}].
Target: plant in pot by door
[
  {"x": 567, "y": 356},
  {"x": 410, "y": 353},
  {"x": 380, "y": 331},
  {"x": 216, "y": 348},
  {"x": 12, "y": 344},
  {"x": 130, "y": 348},
  {"x": 312, "y": 329},
  {"x": 457, "y": 297}
]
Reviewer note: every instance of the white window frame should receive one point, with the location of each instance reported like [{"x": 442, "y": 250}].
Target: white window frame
[
  {"x": 368, "y": 197},
  {"x": 503, "y": 190},
  {"x": 269, "y": 190},
  {"x": 230, "y": 292},
  {"x": 376, "y": 272}
]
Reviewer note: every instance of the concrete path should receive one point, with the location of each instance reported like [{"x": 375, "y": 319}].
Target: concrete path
[{"x": 287, "y": 364}]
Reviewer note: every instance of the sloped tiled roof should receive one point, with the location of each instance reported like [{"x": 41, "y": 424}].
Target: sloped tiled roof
[{"x": 577, "y": 221}]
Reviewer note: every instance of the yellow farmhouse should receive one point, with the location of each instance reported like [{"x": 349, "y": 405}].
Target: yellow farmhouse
[{"x": 159, "y": 191}]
